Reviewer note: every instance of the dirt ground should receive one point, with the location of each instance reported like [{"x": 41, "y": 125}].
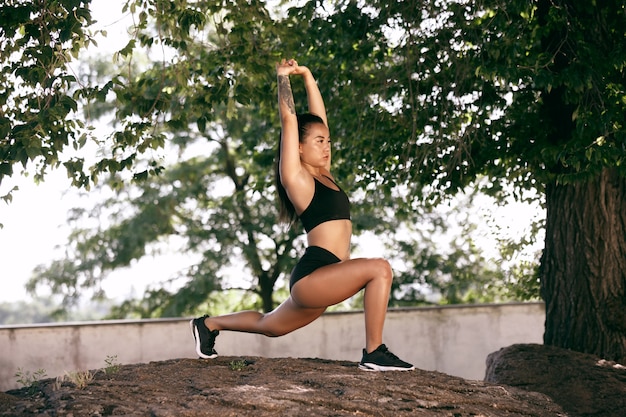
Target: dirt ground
[
  {"x": 253, "y": 386},
  {"x": 524, "y": 380}
]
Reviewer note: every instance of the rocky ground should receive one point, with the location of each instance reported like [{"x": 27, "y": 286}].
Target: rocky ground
[{"x": 524, "y": 380}]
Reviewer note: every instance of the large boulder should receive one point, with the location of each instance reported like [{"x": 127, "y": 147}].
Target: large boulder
[{"x": 583, "y": 385}]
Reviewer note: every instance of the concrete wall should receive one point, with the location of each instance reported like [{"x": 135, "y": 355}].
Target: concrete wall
[{"x": 455, "y": 340}]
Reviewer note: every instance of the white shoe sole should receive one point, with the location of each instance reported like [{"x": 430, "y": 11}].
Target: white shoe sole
[{"x": 372, "y": 367}]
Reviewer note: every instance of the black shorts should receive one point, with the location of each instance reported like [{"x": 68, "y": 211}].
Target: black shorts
[{"x": 314, "y": 257}]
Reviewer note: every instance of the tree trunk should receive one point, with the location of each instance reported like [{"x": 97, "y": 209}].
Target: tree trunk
[
  {"x": 265, "y": 290},
  {"x": 583, "y": 278}
]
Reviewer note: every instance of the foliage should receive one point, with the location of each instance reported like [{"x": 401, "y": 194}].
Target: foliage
[
  {"x": 42, "y": 98},
  {"x": 38, "y": 117},
  {"x": 49, "y": 309},
  {"x": 238, "y": 365},
  {"x": 112, "y": 365},
  {"x": 30, "y": 380},
  {"x": 37, "y": 311},
  {"x": 80, "y": 379},
  {"x": 213, "y": 100},
  {"x": 470, "y": 78},
  {"x": 427, "y": 99}
]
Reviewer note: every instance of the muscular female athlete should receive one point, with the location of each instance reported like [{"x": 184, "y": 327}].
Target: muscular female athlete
[{"x": 325, "y": 275}]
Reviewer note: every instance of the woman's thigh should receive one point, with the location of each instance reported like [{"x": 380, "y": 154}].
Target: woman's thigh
[{"x": 332, "y": 284}]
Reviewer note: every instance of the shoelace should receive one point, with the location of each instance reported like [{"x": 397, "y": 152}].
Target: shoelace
[
  {"x": 386, "y": 351},
  {"x": 210, "y": 342}
]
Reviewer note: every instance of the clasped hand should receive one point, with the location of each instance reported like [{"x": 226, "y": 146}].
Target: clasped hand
[{"x": 290, "y": 67}]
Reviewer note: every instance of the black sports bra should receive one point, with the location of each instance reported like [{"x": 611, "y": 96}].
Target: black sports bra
[{"x": 327, "y": 204}]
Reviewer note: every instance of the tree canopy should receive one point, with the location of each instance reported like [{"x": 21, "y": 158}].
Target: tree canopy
[
  {"x": 209, "y": 91},
  {"x": 38, "y": 120},
  {"x": 427, "y": 97},
  {"x": 455, "y": 84}
]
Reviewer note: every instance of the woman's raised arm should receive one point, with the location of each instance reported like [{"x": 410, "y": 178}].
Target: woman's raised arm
[
  {"x": 290, "y": 166},
  {"x": 314, "y": 97}
]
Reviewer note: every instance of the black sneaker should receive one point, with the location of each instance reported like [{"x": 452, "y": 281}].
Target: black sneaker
[
  {"x": 205, "y": 338},
  {"x": 383, "y": 360}
]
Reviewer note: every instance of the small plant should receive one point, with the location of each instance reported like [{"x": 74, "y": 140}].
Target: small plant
[
  {"x": 58, "y": 383},
  {"x": 112, "y": 366},
  {"x": 79, "y": 378},
  {"x": 28, "y": 380},
  {"x": 238, "y": 365}
]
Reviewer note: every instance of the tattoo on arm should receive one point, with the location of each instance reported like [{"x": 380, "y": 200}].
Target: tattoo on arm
[{"x": 285, "y": 94}]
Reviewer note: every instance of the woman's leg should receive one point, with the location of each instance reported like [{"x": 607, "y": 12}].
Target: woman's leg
[
  {"x": 286, "y": 318},
  {"x": 309, "y": 298},
  {"x": 335, "y": 283},
  {"x": 326, "y": 286}
]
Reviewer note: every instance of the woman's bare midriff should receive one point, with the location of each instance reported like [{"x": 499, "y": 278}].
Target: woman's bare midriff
[{"x": 334, "y": 236}]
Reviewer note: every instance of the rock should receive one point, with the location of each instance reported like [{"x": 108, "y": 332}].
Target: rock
[
  {"x": 259, "y": 387},
  {"x": 584, "y": 385}
]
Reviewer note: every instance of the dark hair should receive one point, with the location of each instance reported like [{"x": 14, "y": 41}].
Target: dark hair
[{"x": 287, "y": 212}]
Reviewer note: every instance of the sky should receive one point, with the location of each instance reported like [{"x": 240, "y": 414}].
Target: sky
[{"x": 34, "y": 228}]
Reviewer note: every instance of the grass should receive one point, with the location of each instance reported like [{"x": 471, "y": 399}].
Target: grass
[
  {"x": 30, "y": 380},
  {"x": 238, "y": 365},
  {"x": 112, "y": 366},
  {"x": 80, "y": 379}
]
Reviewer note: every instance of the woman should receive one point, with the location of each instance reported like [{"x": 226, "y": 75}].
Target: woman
[{"x": 325, "y": 275}]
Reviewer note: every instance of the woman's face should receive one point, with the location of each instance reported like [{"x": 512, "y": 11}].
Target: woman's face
[{"x": 315, "y": 148}]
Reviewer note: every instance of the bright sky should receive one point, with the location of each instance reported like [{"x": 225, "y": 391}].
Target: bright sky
[{"x": 35, "y": 222}]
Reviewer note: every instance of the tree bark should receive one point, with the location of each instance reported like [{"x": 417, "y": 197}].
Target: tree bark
[
  {"x": 266, "y": 286},
  {"x": 583, "y": 278}
]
